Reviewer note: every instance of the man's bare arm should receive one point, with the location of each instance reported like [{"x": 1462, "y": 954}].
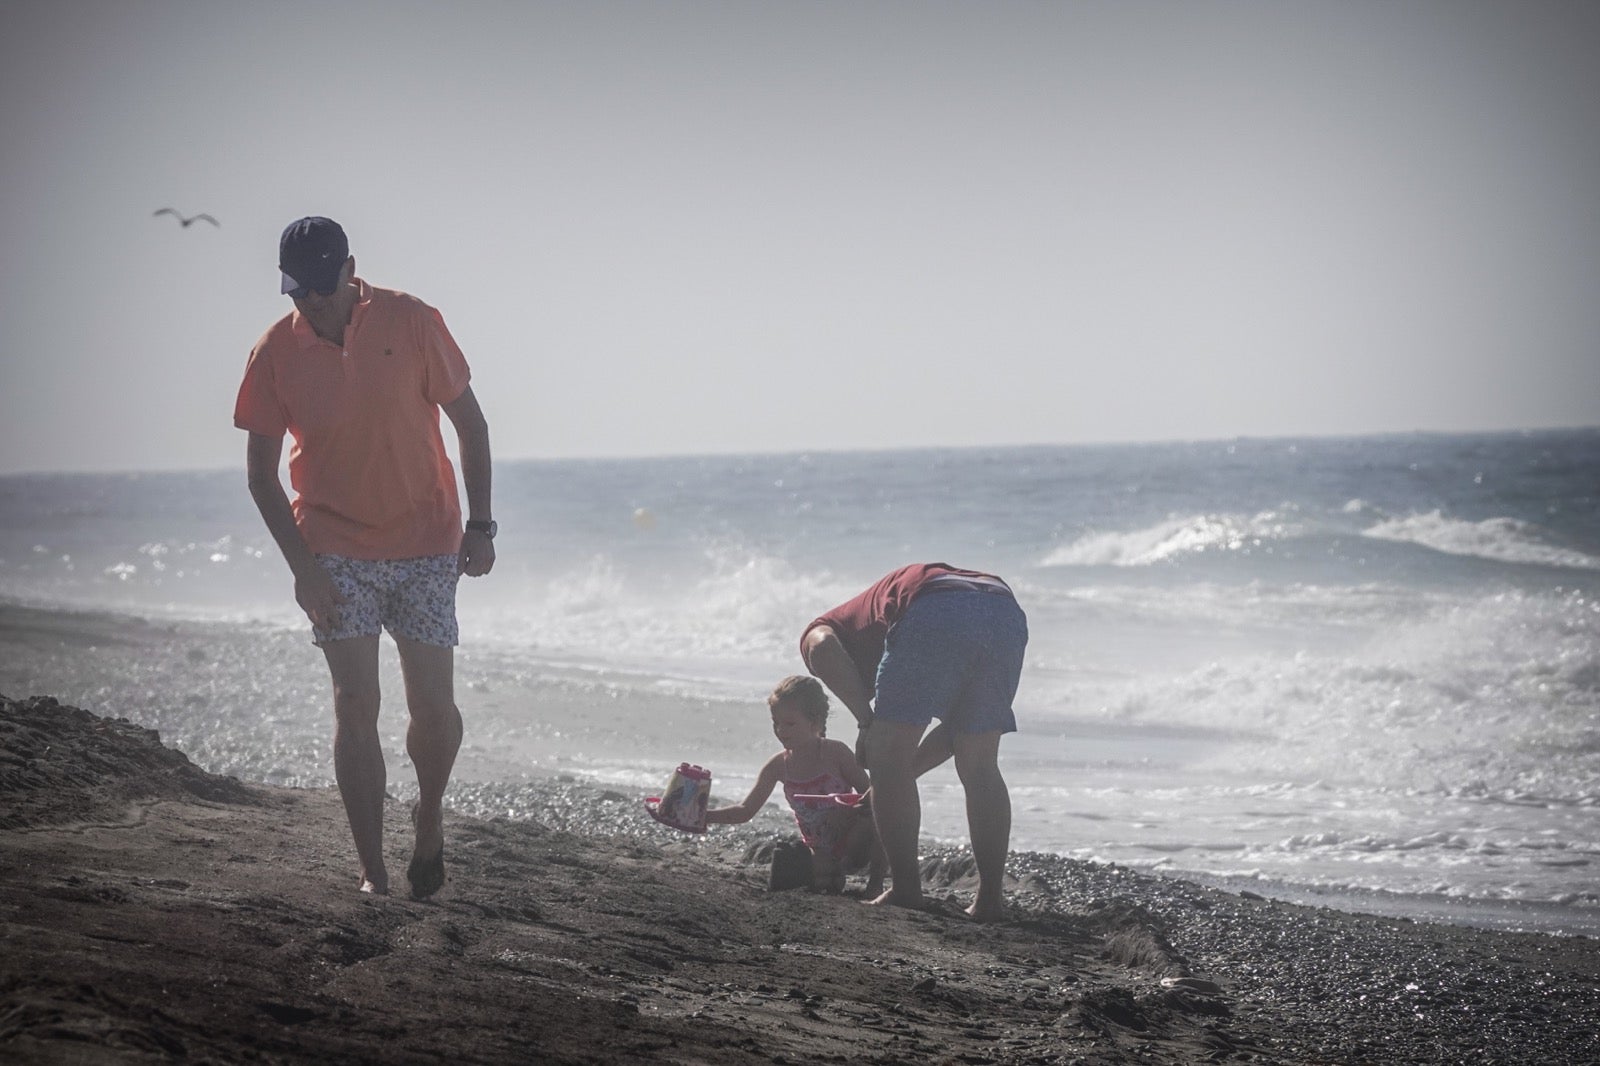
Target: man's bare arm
[
  {"x": 828, "y": 661},
  {"x": 472, "y": 436},
  {"x": 313, "y": 589}
]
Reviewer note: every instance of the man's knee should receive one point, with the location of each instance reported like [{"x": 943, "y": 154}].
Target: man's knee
[
  {"x": 977, "y": 757},
  {"x": 892, "y": 746},
  {"x": 434, "y": 714},
  {"x": 353, "y": 700},
  {"x": 356, "y": 702},
  {"x": 975, "y": 773}
]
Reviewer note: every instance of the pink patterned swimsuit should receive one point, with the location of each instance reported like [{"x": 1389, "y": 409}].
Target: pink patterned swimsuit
[{"x": 814, "y": 801}]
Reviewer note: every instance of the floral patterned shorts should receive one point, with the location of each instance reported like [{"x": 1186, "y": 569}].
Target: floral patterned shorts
[{"x": 411, "y": 598}]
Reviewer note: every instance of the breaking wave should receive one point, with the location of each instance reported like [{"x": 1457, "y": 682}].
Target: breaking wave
[
  {"x": 1506, "y": 540},
  {"x": 1176, "y": 537}
]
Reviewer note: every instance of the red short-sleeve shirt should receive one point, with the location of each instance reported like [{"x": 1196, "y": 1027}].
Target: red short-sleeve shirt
[
  {"x": 862, "y": 623},
  {"x": 368, "y": 465}
]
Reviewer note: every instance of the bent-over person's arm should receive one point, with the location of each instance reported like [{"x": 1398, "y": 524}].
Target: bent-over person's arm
[{"x": 829, "y": 663}]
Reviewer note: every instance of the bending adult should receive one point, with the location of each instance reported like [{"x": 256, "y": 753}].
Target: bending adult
[
  {"x": 929, "y": 641},
  {"x": 357, "y": 376}
]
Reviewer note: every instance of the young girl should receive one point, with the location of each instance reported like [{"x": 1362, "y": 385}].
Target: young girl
[{"x": 824, "y": 785}]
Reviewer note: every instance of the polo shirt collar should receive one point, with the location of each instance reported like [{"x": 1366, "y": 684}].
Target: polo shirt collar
[{"x": 307, "y": 337}]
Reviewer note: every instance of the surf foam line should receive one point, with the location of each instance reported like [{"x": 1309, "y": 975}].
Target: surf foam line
[
  {"x": 1175, "y": 537},
  {"x": 1504, "y": 540}
]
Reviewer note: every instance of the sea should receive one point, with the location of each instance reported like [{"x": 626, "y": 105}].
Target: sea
[{"x": 1360, "y": 671}]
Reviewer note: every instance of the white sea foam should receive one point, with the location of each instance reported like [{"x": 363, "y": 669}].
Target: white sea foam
[
  {"x": 1175, "y": 537},
  {"x": 742, "y": 612},
  {"x": 1506, "y": 540},
  {"x": 1495, "y": 695}
]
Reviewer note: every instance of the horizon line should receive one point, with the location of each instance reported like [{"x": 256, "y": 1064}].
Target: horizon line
[{"x": 881, "y": 450}]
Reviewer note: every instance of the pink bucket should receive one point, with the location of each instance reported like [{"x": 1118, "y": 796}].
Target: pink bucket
[{"x": 682, "y": 805}]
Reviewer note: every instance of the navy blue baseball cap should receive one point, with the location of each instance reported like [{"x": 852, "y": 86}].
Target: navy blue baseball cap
[{"x": 311, "y": 253}]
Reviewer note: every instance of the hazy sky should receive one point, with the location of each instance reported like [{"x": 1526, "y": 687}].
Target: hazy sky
[{"x": 668, "y": 227}]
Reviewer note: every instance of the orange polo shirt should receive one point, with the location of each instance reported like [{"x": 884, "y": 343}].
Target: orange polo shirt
[{"x": 368, "y": 465}]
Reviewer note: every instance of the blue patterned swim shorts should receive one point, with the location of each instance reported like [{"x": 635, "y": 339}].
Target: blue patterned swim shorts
[
  {"x": 411, "y": 598},
  {"x": 956, "y": 656}
]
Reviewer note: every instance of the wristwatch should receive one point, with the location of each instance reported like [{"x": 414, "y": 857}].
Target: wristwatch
[{"x": 488, "y": 529}]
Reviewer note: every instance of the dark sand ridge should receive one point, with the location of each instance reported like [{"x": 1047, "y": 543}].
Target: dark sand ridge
[{"x": 152, "y": 913}]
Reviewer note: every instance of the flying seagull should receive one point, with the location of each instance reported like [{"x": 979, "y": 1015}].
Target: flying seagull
[{"x": 187, "y": 222}]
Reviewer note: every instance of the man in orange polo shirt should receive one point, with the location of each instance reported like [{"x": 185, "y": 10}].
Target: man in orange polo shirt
[{"x": 357, "y": 377}]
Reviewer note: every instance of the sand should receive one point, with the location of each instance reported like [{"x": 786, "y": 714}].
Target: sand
[{"x": 153, "y": 912}]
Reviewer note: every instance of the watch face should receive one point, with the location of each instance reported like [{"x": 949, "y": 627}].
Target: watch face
[{"x": 489, "y": 528}]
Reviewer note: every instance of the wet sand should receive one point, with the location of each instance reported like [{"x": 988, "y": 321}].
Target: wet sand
[{"x": 153, "y": 912}]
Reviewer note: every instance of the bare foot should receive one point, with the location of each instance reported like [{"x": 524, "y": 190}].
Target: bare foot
[
  {"x": 894, "y": 899},
  {"x": 988, "y": 912},
  {"x": 426, "y": 872},
  {"x": 375, "y": 887}
]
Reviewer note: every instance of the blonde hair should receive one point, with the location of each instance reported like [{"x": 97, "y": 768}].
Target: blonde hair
[{"x": 806, "y": 694}]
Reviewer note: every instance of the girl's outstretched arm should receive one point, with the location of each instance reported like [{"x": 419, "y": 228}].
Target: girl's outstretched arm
[{"x": 742, "y": 812}]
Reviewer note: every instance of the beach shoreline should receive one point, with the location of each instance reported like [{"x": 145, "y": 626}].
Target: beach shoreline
[
  {"x": 155, "y": 670},
  {"x": 152, "y": 911}
]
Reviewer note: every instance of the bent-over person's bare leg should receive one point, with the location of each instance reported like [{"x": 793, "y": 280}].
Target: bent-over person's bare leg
[
  {"x": 896, "y": 806},
  {"x": 433, "y": 738},
  {"x": 358, "y": 753},
  {"x": 988, "y": 818}
]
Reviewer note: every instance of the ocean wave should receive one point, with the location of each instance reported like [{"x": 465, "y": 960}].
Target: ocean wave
[
  {"x": 1177, "y": 536},
  {"x": 742, "y": 606},
  {"x": 1490, "y": 699},
  {"x": 1298, "y": 607},
  {"x": 1506, "y": 540},
  {"x": 1562, "y": 853}
]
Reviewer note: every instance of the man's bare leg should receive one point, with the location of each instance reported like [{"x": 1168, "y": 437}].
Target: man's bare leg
[
  {"x": 877, "y": 866},
  {"x": 896, "y": 807},
  {"x": 357, "y": 752},
  {"x": 863, "y": 850},
  {"x": 432, "y": 740},
  {"x": 988, "y": 818},
  {"x": 935, "y": 748}
]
